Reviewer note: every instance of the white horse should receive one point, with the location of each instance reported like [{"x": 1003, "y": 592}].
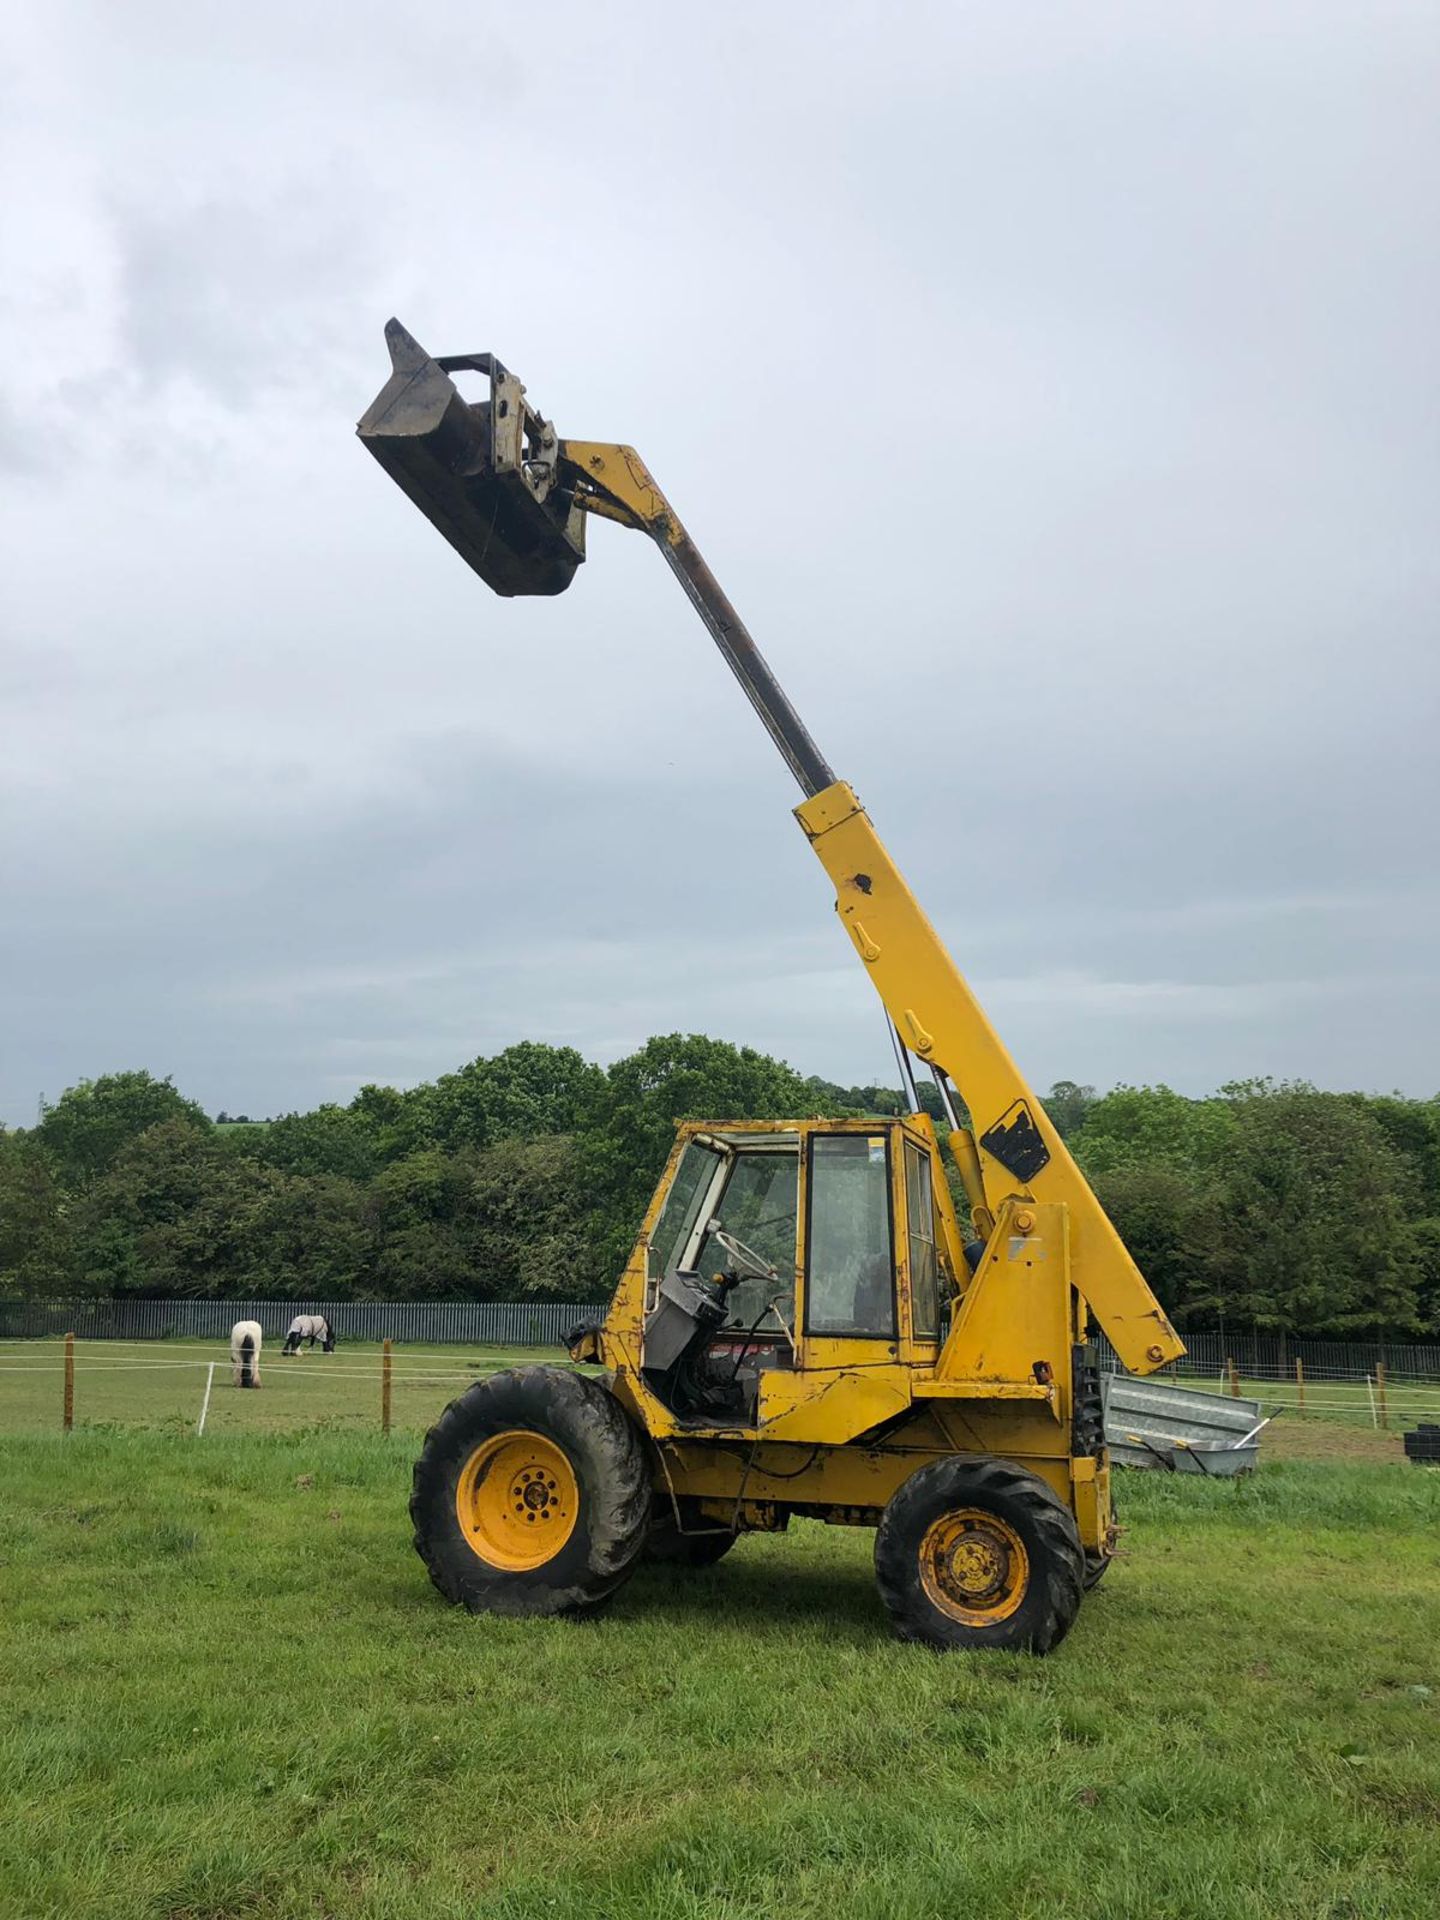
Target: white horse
[
  {"x": 309, "y": 1327},
  {"x": 245, "y": 1339}
]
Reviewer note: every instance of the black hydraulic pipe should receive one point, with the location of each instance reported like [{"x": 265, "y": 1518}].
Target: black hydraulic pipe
[
  {"x": 942, "y": 1087},
  {"x": 442, "y": 451},
  {"x": 746, "y": 662},
  {"x": 904, "y": 1063}
]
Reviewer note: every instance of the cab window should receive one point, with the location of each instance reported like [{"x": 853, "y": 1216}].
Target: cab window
[
  {"x": 850, "y": 1272},
  {"x": 924, "y": 1267}
]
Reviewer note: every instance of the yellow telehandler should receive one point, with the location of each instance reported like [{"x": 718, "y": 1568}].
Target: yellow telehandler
[{"x": 807, "y": 1325}]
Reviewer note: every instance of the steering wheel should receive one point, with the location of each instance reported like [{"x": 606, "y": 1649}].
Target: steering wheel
[{"x": 737, "y": 1250}]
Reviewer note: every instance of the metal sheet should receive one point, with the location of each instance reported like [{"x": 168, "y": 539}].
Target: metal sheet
[{"x": 1145, "y": 1419}]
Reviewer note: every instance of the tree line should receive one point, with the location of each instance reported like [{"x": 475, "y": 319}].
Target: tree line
[{"x": 524, "y": 1175}]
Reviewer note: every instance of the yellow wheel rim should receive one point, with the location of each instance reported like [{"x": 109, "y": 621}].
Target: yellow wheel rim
[
  {"x": 974, "y": 1567},
  {"x": 517, "y": 1500}
]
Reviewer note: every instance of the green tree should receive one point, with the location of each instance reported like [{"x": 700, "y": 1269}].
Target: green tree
[
  {"x": 37, "y": 1250},
  {"x": 828, "y": 1096},
  {"x": 528, "y": 1090},
  {"x": 527, "y": 1222},
  {"x": 674, "y": 1077},
  {"x": 1067, "y": 1104},
  {"x": 312, "y": 1239},
  {"x": 91, "y": 1124},
  {"x": 526, "y": 1174},
  {"x": 1152, "y": 1126},
  {"x": 1413, "y": 1129},
  {"x": 330, "y": 1140},
  {"x": 424, "y": 1260},
  {"x": 175, "y": 1214},
  {"x": 413, "y": 1206},
  {"x": 399, "y": 1122},
  {"x": 1317, "y": 1209},
  {"x": 1169, "y": 1218},
  {"x": 1423, "y": 1254}
]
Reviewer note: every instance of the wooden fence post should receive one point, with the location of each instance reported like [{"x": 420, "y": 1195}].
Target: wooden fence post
[
  {"x": 1300, "y": 1382},
  {"x": 1234, "y": 1373},
  {"x": 385, "y": 1387},
  {"x": 68, "y": 1417},
  {"x": 1380, "y": 1392}
]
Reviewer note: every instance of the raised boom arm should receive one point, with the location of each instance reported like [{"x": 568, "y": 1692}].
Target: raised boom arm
[{"x": 512, "y": 499}]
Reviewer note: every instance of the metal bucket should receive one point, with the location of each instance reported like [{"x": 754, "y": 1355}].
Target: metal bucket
[{"x": 484, "y": 473}]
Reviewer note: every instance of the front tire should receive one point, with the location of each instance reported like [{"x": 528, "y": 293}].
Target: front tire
[
  {"x": 530, "y": 1495},
  {"x": 976, "y": 1553}
]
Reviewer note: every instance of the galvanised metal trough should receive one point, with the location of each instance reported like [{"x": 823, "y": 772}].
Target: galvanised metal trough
[{"x": 1153, "y": 1423}]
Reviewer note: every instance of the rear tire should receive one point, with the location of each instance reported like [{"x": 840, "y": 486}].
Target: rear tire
[
  {"x": 700, "y": 1545},
  {"x": 974, "y": 1553},
  {"x": 531, "y": 1495}
]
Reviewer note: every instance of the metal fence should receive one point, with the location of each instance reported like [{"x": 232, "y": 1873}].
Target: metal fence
[
  {"x": 544, "y": 1323},
  {"x": 477, "y": 1323},
  {"x": 1272, "y": 1356}
]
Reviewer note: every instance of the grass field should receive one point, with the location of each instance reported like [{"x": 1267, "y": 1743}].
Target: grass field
[
  {"x": 160, "y": 1384},
  {"x": 227, "y": 1690}
]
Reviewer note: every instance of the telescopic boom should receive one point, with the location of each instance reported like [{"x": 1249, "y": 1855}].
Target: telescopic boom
[{"x": 512, "y": 499}]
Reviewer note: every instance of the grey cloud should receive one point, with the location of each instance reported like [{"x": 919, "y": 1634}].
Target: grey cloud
[
  {"x": 198, "y": 292},
  {"x": 1054, "y": 393}
]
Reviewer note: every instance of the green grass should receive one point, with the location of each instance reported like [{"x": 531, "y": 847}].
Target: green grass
[{"x": 227, "y": 1689}]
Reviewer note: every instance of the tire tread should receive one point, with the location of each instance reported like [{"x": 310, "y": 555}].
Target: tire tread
[
  {"x": 615, "y": 1489},
  {"x": 1048, "y": 1612}
]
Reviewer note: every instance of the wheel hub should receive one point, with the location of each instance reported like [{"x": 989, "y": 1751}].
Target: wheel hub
[
  {"x": 977, "y": 1566},
  {"x": 974, "y": 1567},
  {"x": 517, "y": 1500}
]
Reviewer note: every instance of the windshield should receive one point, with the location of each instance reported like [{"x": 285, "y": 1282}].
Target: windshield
[{"x": 757, "y": 1207}]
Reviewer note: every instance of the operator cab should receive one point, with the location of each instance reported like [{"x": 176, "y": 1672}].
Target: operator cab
[{"x": 734, "y": 1287}]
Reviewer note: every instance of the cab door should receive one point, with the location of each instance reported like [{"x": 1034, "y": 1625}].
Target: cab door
[{"x": 849, "y": 1314}]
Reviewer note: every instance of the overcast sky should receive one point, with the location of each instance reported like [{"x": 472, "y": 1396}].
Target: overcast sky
[{"x": 1053, "y": 387}]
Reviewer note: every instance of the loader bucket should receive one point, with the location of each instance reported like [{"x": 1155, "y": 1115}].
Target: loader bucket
[{"x": 484, "y": 472}]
